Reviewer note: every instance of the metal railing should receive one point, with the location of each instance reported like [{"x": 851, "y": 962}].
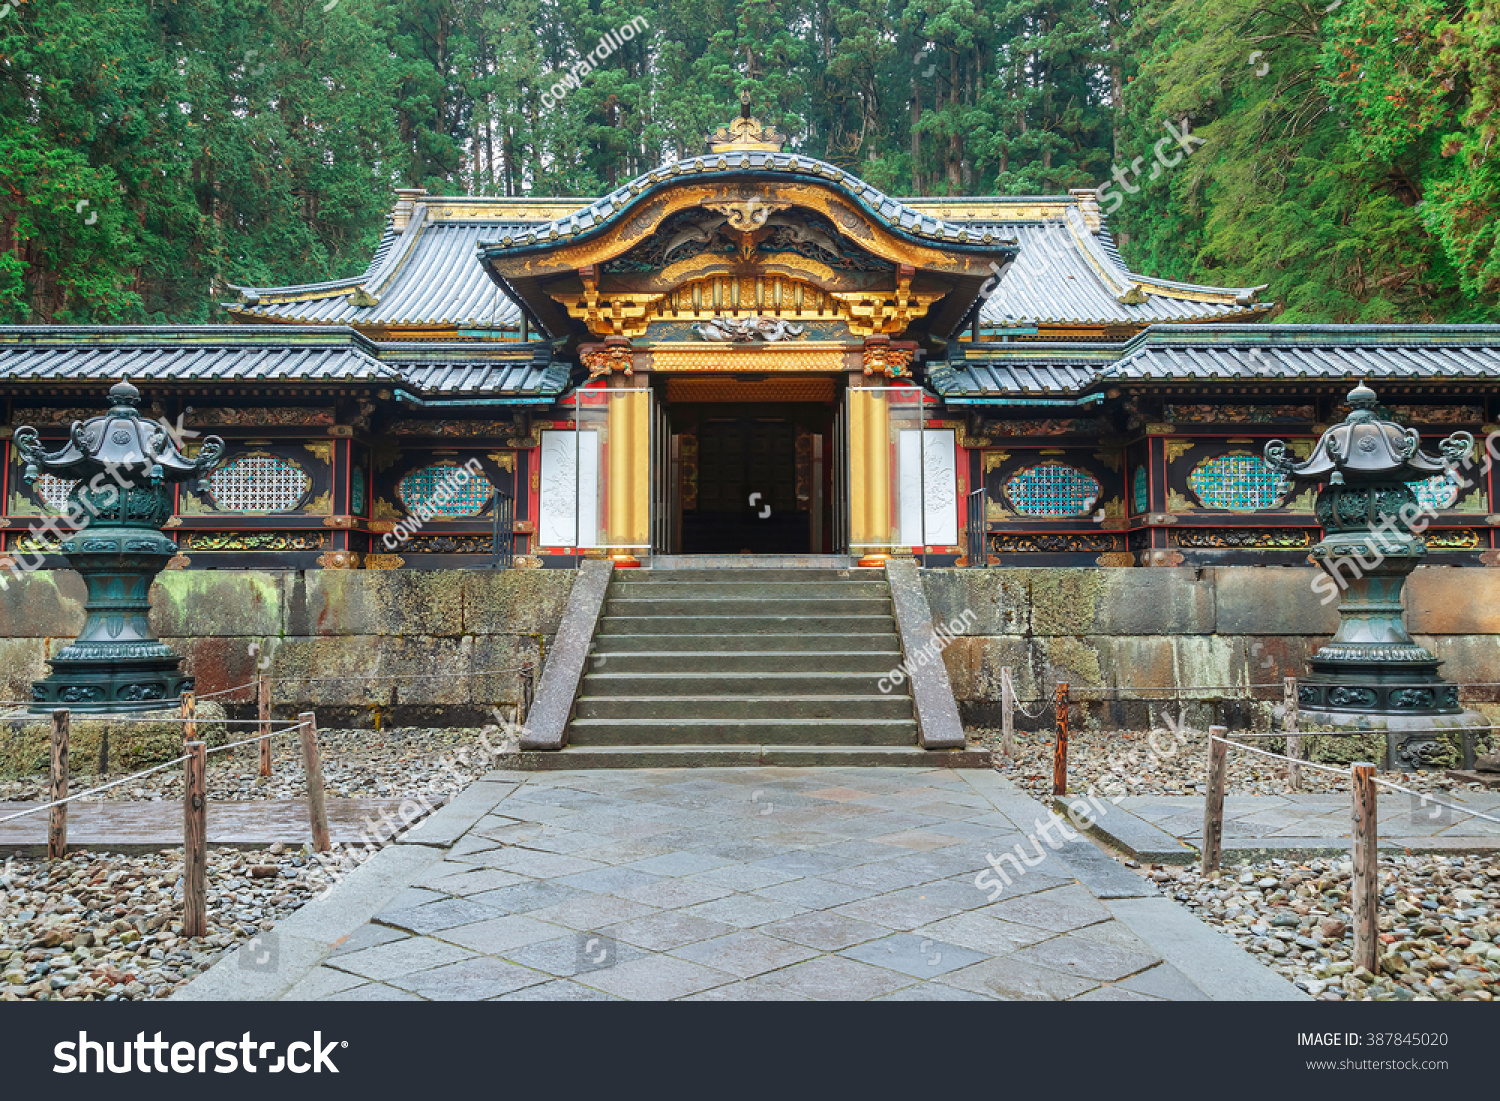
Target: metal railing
[{"x": 978, "y": 552}]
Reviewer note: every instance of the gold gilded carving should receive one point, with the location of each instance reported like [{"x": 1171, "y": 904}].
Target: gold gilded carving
[
  {"x": 747, "y": 215},
  {"x": 993, "y": 460},
  {"x": 1159, "y": 429},
  {"x": 1176, "y": 502},
  {"x": 338, "y": 522},
  {"x": 892, "y": 361},
  {"x": 1116, "y": 559},
  {"x": 745, "y": 134},
  {"x": 607, "y": 360},
  {"x": 755, "y": 357},
  {"x": 384, "y": 561},
  {"x": 1176, "y": 449},
  {"x": 504, "y": 460},
  {"x": 813, "y": 196},
  {"x": 1112, "y": 459},
  {"x": 384, "y": 510},
  {"x": 323, "y": 450}
]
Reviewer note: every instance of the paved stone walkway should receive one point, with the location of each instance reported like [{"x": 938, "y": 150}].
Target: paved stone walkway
[
  {"x": 716, "y": 884},
  {"x": 120, "y": 826},
  {"x": 1293, "y": 821}
]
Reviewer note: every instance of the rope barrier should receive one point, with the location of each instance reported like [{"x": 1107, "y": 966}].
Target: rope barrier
[
  {"x": 94, "y": 791},
  {"x": 257, "y": 739},
  {"x": 1426, "y": 798},
  {"x": 1280, "y": 756}
]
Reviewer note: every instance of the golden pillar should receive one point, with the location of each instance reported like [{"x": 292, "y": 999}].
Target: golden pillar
[
  {"x": 869, "y": 471},
  {"x": 628, "y": 500}
]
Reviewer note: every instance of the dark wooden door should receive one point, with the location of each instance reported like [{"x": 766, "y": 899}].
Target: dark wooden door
[{"x": 747, "y": 489}]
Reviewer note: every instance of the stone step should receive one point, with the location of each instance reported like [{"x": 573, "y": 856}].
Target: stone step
[
  {"x": 730, "y": 606},
  {"x": 746, "y": 661},
  {"x": 721, "y": 563},
  {"x": 747, "y": 625},
  {"x": 807, "y": 643},
  {"x": 769, "y": 686},
  {"x": 780, "y": 731},
  {"x": 745, "y": 589},
  {"x": 633, "y": 577},
  {"x": 893, "y": 706},
  {"x": 742, "y": 756}
]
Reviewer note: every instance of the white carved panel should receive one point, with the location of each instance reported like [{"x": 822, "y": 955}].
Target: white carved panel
[
  {"x": 938, "y": 472},
  {"x": 570, "y": 462}
]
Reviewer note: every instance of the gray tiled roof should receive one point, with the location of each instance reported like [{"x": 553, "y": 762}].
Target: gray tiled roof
[
  {"x": 428, "y": 275},
  {"x": 1291, "y": 352},
  {"x": 270, "y": 354},
  {"x": 1065, "y": 274},
  {"x": 1227, "y": 352},
  {"x": 197, "y": 353}
]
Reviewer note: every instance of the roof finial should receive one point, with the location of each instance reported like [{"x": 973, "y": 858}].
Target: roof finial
[{"x": 745, "y": 134}]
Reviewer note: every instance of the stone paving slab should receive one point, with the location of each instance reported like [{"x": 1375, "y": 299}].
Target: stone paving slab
[
  {"x": 119, "y": 826},
  {"x": 1308, "y": 825},
  {"x": 760, "y": 884}
]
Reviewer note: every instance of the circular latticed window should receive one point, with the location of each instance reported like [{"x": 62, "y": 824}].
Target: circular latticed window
[
  {"x": 259, "y": 483},
  {"x": 1052, "y": 489},
  {"x": 1242, "y": 483},
  {"x": 445, "y": 489}
]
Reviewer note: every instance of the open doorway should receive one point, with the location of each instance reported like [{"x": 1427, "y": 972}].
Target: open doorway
[{"x": 752, "y": 478}]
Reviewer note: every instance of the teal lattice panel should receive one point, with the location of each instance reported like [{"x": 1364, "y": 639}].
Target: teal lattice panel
[
  {"x": 1052, "y": 489},
  {"x": 1243, "y": 483}
]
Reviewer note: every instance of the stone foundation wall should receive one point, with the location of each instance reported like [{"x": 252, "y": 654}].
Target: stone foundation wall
[
  {"x": 351, "y": 629},
  {"x": 1184, "y": 628}
]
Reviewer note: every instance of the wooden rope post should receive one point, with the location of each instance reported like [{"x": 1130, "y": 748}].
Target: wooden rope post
[
  {"x": 1060, "y": 746},
  {"x": 313, "y": 764},
  {"x": 57, "y": 817},
  {"x": 1291, "y": 726},
  {"x": 195, "y": 843},
  {"x": 189, "y": 717},
  {"x": 528, "y": 674},
  {"x": 1213, "y": 803},
  {"x": 1366, "y": 878},
  {"x": 1007, "y": 714},
  {"x": 263, "y": 713}
]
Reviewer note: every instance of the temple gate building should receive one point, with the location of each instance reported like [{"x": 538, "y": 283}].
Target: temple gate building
[{"x": 748, "y": 352}]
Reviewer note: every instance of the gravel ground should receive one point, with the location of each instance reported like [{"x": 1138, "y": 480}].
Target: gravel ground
[
  {"x": 107, "y": 927},
  {"x": 390, "y": 763},
  {"x": 1122, "y": 762},
  {"x": 98, "y": 927},
  {"x": 1439, "y": 924}
]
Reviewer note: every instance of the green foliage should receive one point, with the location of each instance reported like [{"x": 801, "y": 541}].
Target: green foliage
[{"x": 1347, "y": 158}]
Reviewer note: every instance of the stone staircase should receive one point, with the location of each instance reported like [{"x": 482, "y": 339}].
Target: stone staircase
[{"x": 742, "y": 666}]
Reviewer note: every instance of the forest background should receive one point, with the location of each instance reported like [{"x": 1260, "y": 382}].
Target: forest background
[{"x": 154, "y": 152}]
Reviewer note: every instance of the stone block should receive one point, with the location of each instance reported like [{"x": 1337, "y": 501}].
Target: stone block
[
  {"x": 1121, "y": 602},
  {"x": 1469, "y": 659},
  {"x": 228, "y": 603},
  {"x": 999, "y": 599},
  {"x": 515, "y": 602},
  {"x": 41, "y": 604},
  {"x": 22, "y": 660},
  {"x": 378, "y": 602},
  {"x": 1447, "y": 600},
  {"x": 1269, "y": 600}
]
